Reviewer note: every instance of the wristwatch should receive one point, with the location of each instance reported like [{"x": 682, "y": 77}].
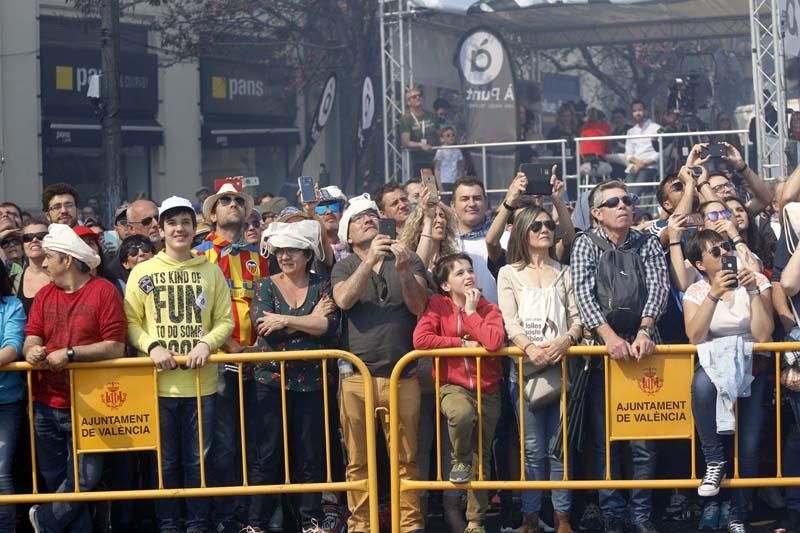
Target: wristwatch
[
  {"x": 70, "y": 354},
  {"x": 648, "y": 331}
]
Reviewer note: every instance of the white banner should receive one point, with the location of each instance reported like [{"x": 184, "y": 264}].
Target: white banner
[{"x": 462, "y": 7}]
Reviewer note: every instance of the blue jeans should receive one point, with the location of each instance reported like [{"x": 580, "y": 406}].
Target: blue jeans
[
  {"x": 225, "y": 461},
  {"x": 10, "y": 418},
  {"x": 180, "y": 459},
  {"x": 540, "y": 427},
  {"x": 612, "y": 502},
  {"x": 643, "y": 176},
  {"x": 54, "y": 455},
  {"x": 791, "y": 451},
  {"x": 751, "y": 411}
]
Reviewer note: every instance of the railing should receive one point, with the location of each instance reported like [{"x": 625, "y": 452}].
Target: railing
[
  {"x": 559, "y": 146},
  {"x": 681, "y": 361},
  {"x": 135, "y": 380}
]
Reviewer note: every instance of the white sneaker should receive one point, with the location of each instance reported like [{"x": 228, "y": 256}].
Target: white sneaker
[
  {"x": 715, "y": 473},
  {"x": 34, "y": 520},
  {"x": 314, "y": 527},
  {"x": 276, "y": 520}
]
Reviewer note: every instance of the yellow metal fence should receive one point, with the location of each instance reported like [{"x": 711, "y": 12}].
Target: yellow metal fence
[
  {"x": 109, "y": 389},
  {"x": 667, "y": 359}
]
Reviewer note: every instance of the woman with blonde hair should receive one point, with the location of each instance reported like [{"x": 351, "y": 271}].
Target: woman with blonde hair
[{"x": 430, "y": 231}]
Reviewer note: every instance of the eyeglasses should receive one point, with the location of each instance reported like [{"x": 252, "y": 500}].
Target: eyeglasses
[
  {"x": 29, "y": 237},
  {"x": 146, "y": 221},
  {"x": 66, "y": 206},
  {"x": 255, "y": 224},
  {"x": 8, "y": 243},
  {"x": 226, "y": 200},
  {"x": 676, "y": 186},
  {"x": 133, "y": 251},
  {"x": 288, "y": 251},
  {"x": 413, "y": 96},
  {"x": 335, "y": 207},
  {"x": 536, "y": 225},
  {"x": 713, "y": 216},
  {"x": 716, "y": 251},
  {"x": 361, "y": 217},
  {"x": 722, "y": 187},
  {"x": 611, "y": 203}
]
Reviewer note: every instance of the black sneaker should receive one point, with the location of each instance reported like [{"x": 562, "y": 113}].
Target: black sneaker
[
  {"x": 646, "y": 527},
  {"x": 591, "y": 518},
  {"x": 460, "y": 472},
  {"x": 614, "y": 525},
  {"x": 228, "y": 526},
  {"x": 715, "y": 473},
  {"x": 736, "y": 526}
]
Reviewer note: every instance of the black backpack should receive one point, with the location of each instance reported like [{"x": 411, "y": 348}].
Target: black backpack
[{"x": 620, "y": 285}]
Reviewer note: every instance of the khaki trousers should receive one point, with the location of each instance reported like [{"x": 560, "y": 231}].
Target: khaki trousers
[
  {"x": 460, "y": 408},
  {"x": 353, "y": 419}
]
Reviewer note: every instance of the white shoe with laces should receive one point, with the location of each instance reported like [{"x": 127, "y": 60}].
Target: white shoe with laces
[
  {"x": 736, "y": 526},
  {"x": 715, "y": 473},
  {"x": 314, "y": 527}
]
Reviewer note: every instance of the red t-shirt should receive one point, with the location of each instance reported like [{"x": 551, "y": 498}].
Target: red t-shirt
[
  {"x": 92, "y": 314},
  {"x": 596, "y": 129}
]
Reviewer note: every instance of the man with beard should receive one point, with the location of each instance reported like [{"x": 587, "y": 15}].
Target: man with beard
[
  {"x": 393, "y": 202},
  {"x": 329, "y": 213},
  {"x": 242, "y": 265},
  {"x": 60, "y": 204}
]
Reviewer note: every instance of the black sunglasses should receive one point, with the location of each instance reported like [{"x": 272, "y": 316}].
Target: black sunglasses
[
  {"x": 9, "y": 242},
  {"x": 536, "y": 225},
  {"x": 133, "y": 251},
  {"x": 716, "y": 251},
  {"x": 146, "y": 221},
  {"x": 611, "y": 203},
  {"x": 255, "y": 224},
  {"x": 29, "y": 237},
  {"x": 226, "y": 200}
]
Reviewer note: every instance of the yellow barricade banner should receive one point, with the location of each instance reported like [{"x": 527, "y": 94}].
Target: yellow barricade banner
[
  {"x": 115, "y": 409},
  {"x": 651, "y": 398}
]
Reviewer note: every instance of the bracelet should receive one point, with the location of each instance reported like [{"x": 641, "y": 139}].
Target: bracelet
[
  {"x": 712, "y": 297},
  {"x": 508, "y": 207},
  {"x": 675, "y": 243},
  {"x": 737, "y": 242},
  {"x": 152, "y": 346},
  {"x": 700, "y": 186},
  {"x": 423, "y": 235},
  {"x": 525, "y": 349},
  {"x": 743, "y": 168},
  {"x": 754, "y": 292}
]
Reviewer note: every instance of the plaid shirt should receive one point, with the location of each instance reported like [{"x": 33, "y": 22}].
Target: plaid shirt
[{"x": 585, "y": 256}]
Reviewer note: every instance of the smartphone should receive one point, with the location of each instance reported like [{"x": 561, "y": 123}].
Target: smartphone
[
  {"x": 429, "y": 181},
  {"x": 729, "y": 263},
  {"x": 388, "y": 227},
  {"x": 306, "y": 186},
  {"x": 695, "y": 220},
  {"x": 538, "y": 178},
  {"x": 717, "y": 150}
]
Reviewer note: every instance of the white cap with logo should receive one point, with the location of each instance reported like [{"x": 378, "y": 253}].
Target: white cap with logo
[{"x": 173, "y": 202}]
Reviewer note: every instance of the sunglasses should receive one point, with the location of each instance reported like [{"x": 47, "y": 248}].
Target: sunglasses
[
  {"x": 716, "y": 251},
  {"x": 29, "y": 237},
  {"x": 335, "y": 207},
  {"x": 146, "y": 221},
  {"x": 255, "y": 224},
  {"x": 8, "y": 243},
  {"x": 536, "y": 225},
  {"x": 133, "y": 251},
  {"x": 227, "y": 200},
  {"x": 611, "y": 203},
  {"x": 713, "y": 216}
]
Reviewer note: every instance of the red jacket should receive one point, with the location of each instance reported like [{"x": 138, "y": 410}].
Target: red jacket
[{"x": 438, "y": 327}]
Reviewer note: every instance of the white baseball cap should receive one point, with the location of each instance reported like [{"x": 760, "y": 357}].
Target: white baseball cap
[
  {"x": 173, "y": 202},
  {"x": 335, "y": 193},
  {"x": 358, "y": 204}
]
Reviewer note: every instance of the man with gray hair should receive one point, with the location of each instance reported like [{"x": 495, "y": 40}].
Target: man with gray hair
[
  {"x": 76, "y": 318},
  {"x": 142, "y": 219},
  {"x": 641, "y": 268}
]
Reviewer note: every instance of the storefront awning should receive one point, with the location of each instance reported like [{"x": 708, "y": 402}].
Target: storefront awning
[
  {"x": 245, "y": 135},
  {"x": 81, "y": 132}
]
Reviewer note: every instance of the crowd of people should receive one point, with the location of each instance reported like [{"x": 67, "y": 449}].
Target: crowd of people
[{"x": 228, "y": 274}]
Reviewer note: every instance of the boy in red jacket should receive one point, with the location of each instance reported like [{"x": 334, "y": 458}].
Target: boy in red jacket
[{"x": 462, "y": 318}]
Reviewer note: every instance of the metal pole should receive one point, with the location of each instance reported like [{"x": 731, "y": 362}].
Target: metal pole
[
  {"x": 112, "y": 135},
  {"x": 384, "y": 95}
]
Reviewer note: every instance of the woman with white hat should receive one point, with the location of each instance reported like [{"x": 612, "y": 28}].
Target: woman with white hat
[{"x": 293, "y": 310}]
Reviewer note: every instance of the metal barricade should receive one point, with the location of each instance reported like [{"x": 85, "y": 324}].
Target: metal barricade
[
  {"x": 110, "y": 388},
  {"x": 673, "y": 431}
]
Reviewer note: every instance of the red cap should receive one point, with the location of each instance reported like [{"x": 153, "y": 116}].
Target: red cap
[{"x": 83, "y": 231}]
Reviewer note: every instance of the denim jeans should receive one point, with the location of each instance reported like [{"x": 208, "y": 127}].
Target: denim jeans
[
  {"x": 612, "y": 502},
  {"x": 180, "y": 459},
  {"x": 226, "y": 453},
  {"x": 791, "y": 450},
  {"x": 54, "y": 455},
  {"x": 306, "y": 453},
  {"x": 643, "y": 176},
  {"x": 751, "y": 411},
  {"x": 10, "y": 419},
  {"x": 540, "y": 426}
]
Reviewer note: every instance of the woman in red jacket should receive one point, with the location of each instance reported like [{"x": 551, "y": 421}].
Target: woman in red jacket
[{"x": 461, "y": 317}]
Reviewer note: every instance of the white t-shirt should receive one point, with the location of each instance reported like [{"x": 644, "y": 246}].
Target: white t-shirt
[
  {"x": 449, "y": 158},
  {"x": 476, "y": 249}
]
